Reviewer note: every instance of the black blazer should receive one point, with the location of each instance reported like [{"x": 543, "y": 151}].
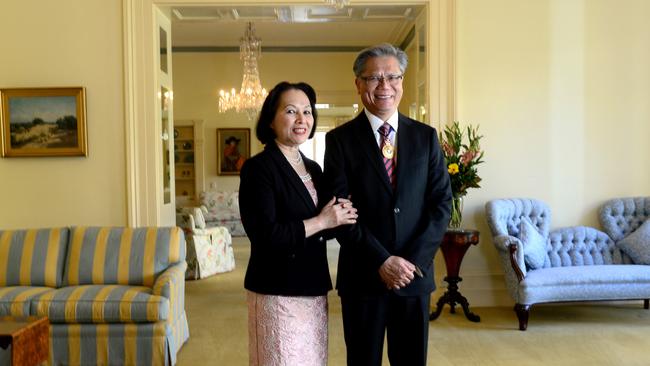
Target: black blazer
[
  {"x": 409, "y": 221},
  {"x": 273, "y": 202}
]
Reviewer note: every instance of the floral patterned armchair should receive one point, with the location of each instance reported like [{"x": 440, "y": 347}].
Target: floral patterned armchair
[
  {"x": 209, "y": 249},
  {"x": 221, "y": 208}
]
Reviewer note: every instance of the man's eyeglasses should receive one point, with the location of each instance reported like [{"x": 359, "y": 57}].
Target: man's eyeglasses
[{"x": 373, "y": 80}]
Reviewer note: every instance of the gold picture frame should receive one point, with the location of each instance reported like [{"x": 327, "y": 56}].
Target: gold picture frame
[
  {"x": 233, "y": 148},
  {"x": 43, "y": 122}
]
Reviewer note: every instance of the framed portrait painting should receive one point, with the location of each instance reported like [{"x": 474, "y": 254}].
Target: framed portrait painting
[
  {"x": 43, "y": 122},
  {"x": 233, "y": 148}
]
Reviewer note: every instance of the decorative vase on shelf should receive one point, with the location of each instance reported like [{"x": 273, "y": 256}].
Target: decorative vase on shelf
[{"x": 456, "y": 212}]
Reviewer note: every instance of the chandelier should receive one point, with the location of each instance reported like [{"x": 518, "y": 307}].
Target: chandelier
[
  {"x": 251, "y": 94},
  {"x": 337, "y": 4}
]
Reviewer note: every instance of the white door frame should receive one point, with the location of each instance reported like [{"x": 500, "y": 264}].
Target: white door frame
[{"x": 143, "y": 182}]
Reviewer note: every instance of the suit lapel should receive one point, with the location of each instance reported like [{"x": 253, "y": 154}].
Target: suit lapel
[
  {"x": 369, "y": 145},
  {"x": 290, "y": 174}
]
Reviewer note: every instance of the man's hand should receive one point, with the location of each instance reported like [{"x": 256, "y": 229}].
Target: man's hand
[{"x": 396, "y": 272}]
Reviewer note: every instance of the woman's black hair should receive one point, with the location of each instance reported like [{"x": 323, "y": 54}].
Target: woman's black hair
[{"x": 263, "y": 128}]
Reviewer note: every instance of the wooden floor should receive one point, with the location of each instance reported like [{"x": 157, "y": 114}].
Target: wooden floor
[{"x": 582, "y": 334}]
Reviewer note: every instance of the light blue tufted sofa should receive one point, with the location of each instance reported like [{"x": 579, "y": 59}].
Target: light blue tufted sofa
[{"x": 581, "y": 263}]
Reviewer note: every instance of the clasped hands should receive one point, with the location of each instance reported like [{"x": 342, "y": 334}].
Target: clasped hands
[
  {"x": 338, "y": 211},
  {"x": 397, "y": 272}
]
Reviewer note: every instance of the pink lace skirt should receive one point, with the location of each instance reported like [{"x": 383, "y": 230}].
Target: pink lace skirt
[{"x": 287, "y": 330}]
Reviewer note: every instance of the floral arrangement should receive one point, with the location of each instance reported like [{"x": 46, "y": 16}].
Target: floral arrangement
[{"x": 461, "y": 159}]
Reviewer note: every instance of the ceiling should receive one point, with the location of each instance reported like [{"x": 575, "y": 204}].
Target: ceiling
[{"x": 293, "y": 26}]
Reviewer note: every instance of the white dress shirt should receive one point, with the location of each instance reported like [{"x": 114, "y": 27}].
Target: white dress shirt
[{"x": 376, "y": 122}]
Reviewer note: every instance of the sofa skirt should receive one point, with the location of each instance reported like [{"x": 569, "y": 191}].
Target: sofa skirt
[{"x": 117, "y": 344}]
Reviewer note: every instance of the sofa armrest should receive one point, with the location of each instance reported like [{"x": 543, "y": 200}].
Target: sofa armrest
[
  {"x": 171, "y": 284},
  {"x": 514, "y": 249},
  {"x": 216, "y": 233}
]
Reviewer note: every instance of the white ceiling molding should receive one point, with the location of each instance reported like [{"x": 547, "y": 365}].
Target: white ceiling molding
[
  {"x": 296, "y": 14},
  {"x": 286, "y": 26}
]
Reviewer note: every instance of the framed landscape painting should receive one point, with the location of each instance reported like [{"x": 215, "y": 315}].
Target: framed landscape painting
[
  {"x": 43, "y": 122},
  {"x": 233, "y": 148}
]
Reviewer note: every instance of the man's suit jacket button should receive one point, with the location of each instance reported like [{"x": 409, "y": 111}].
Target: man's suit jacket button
[
  {"x": 293, "y": 256},
  {"x": 396, "y": 210},
  {"x": 321, "y": 239}
]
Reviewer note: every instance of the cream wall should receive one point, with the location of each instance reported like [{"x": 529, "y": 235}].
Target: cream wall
[
  {"x": 198, "y": 77},
  {"x": 66, "y": 43},
  {"x": 560, "y": 90},
  {"x": 617, "y": 98}
]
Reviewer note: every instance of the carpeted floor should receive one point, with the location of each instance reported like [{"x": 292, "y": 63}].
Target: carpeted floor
[{"x": 576, "y": 334}]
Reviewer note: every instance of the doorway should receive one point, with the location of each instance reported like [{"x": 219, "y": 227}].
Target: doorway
[{"x": 431, "y": 40}]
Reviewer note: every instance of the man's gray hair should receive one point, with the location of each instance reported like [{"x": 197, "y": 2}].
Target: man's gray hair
[{"x": 384, "y": 49}]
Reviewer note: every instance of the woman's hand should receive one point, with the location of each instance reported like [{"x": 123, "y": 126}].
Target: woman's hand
[{"x": 335, "y": 213}]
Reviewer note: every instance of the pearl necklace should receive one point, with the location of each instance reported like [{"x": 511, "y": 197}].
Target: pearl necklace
[
  {"x": 294, "y": 161},
  {"x": 305, "y": 177}
]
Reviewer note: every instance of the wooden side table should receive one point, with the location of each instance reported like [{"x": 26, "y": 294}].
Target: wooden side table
[
  {"x": 28, "y": 337},
  {"x": 454, "y": 245}
]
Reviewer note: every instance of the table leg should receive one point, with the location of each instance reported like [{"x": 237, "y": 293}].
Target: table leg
[{"x": 453, "y": 297}]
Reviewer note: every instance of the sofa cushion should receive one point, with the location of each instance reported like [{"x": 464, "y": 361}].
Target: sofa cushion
[
  {"x": 32, "y": 257},
  {"x": 16, "y": 300},
  {"x": 534, "y": 244},
  {"x": 121, "y": 256},
  {"x": 580, "y": 283},
  {"x": 102, "y": 304},
  {"x": 637, "y": 244}
]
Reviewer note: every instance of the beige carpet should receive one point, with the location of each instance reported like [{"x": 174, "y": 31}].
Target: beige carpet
[{"x": 582, "y": 334}]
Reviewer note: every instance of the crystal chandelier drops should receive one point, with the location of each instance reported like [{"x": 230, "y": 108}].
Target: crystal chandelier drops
[
  {"x": 337, "y": 4},
  {"x": 251, "y": 94}
]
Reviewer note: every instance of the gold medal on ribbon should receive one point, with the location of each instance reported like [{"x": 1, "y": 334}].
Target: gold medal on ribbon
[{"x": 388, "y": 150}]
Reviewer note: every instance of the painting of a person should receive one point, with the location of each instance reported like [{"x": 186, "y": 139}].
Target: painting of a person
[{"x": 232, "y": 158}]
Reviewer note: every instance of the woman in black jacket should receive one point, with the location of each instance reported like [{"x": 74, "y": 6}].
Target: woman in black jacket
[{"x": 286, "y": 217}]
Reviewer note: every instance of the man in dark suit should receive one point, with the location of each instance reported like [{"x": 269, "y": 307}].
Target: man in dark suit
[{"x": 393, "y": 169}]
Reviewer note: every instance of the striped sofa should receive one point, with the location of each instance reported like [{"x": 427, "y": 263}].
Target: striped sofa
[{"x": 114, "y": 296}]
